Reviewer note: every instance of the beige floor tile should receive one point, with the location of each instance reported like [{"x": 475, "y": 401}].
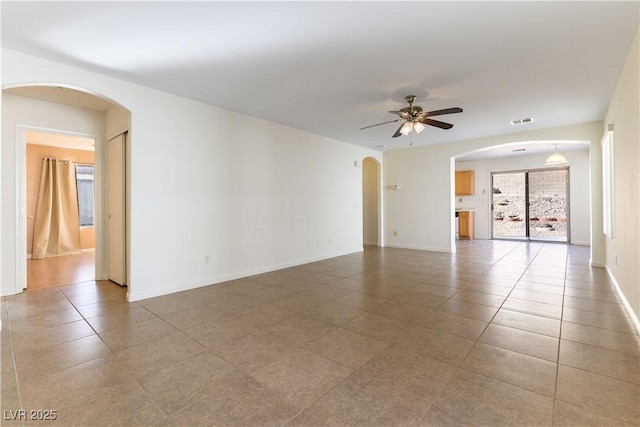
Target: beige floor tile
[
  {"x": 235, "y": 303},
  {"x": 377, "y": 330},
  {"x": 230, "y": 406},
  {"x": 374, "y": 403},
  {"x": 45, "y": 320},
  {"x": 361, "y": 301},
  {"x": 524, "y": 371},
  {"x": 531, "y": 307},
  {"x": 482, "y": 298},
  {"x": 567, "y": 415},
  {"x": 593, "y": 305},
  {"x": 265, "y": 315},
  {"x": 337, "y": 314},
  {"x": 183, "y": 383},
  {"x": 300, "y": 329},
  {"x": 120, "y": 318},
  {"x": 220, "y": 330},
  {"x": 436, "y": 345},
  {"x": 407, "y": 313},
  {"x": 468, "y": 309},
  {"x": 300, "y": 303},
  {"x": 42, "y": 362},
  {"x": 421, "y": 299},
  {"x": 607, "y": 338},
  {"x": 168, "y": 303},
  {"x": 126, "y": 404},
  {"x": 464, "y": 327},
  {"x": 194, "y": 316},
  {"x": 253, "y": 351},
  {"x": 602, "y": 395},
  {"x": 601, "y": 320},
  {"x": 473, "y": 399},
  {"x": 521, "y": 341},
  {"x": 535, "y": 296},
  {"x": 47, "y": 337},
  {"x": 328, "y": 292},
  {"x": 528, "y": 322},
  {"x": 158, "y": 353},
  {"x": 539, "y": 287},
  {"x": 378, "y": 327},
  {"x": 346, "y": 347},
  {"x": 301, "y": 376},
  {"x": 407, "y": 371},
  {"x": 64, "y": 388},
  {"x": 615, "y": 364},
  {"x": 136, "y": 334},
  {"x": 442, "y": 291}
]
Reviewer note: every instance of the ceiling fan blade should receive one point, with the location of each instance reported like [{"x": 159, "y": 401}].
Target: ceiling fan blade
[
  {"x": 397, "y": 134},
  {"x": 436, "y": 123},
  {"x": 441, "y": 112},
  {"x": 378, "y": 124}
]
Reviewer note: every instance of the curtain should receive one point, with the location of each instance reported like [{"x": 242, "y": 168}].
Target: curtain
[{"x": 56, "y": 228}]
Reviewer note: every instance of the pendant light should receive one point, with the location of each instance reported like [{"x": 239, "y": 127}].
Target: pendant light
[{"x": 556, "y": 158}]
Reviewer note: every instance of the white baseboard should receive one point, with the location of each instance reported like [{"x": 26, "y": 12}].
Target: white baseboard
[
  {"x": 625, "y": 302},
  {"x": 418, "y": 248},
  {"x": 136, "y": 296},
  {"x": 580, "y": 243}
]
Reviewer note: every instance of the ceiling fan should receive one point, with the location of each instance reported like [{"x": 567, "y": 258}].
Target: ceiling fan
[{"x": 413, "y": 118}]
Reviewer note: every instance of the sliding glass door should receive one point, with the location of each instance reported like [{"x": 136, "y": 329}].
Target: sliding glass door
[{"x": 531, "y": 205}]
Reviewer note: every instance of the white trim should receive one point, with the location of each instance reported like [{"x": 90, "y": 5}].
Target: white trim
[
  {"x": 419, "y": 248},
  {"x": 598, "y": 264},
  {"x": 580, "y": 243},
  {"x": 625, "y": 302}
]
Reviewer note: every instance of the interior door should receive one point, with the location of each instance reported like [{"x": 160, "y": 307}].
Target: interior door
[{"x": 116, "y": 208}]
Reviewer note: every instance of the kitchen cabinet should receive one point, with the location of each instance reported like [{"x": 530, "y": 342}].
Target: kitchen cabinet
[
  {"x": 466, "y": 228},
  {"x": 465, "y": 183}
]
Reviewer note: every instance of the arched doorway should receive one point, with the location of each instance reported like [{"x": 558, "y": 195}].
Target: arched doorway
[
  {"x": 71, "y": 112},
  {"x": 371, "y": 203}
]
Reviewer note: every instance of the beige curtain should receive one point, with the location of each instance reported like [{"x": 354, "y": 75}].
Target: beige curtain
[{"x": 56, "y": 228}]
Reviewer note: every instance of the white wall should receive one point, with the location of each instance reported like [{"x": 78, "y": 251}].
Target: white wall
[
  {"x": 623, "y": 251},
  {"x": 421, "y": 210},
  {"x": 578, "y": 190},
  {"x": 251, "y": 194}
]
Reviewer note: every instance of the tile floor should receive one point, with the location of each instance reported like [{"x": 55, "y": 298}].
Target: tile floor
[{"x": 501, "y": 333}]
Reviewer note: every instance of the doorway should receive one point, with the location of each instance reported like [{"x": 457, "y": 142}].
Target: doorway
[
  {"x": 531, "y": 205},
  {"x": 371, "y": 202},
  {"x": 74, "y": 263}
]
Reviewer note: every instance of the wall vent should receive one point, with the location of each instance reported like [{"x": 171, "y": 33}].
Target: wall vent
[{"x": 522, "y": 121}]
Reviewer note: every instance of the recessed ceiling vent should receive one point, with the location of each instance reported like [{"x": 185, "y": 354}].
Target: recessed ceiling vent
[
  {"x": 516, "y": 150},
  {"x": 521, "y": 121}
]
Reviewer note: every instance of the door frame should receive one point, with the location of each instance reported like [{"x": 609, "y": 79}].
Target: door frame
[
  {"x": 21, "y": 200},
  {"x": 527, "y": 236}
]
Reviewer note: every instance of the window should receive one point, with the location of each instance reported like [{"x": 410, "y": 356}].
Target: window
[{"x": 85, "y": 179}]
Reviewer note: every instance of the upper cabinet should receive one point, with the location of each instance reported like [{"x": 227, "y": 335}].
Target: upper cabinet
[{"x": 465, "y": 183}]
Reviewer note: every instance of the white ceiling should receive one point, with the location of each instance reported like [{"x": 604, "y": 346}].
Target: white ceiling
[
  {"x": 333, "y": 67},
  {"x": 60, "y": 141}
]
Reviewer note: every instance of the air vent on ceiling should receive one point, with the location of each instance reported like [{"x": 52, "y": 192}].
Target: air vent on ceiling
[
  {"x": 522, "y": 121},
  {"x": 515, "y": 150}
]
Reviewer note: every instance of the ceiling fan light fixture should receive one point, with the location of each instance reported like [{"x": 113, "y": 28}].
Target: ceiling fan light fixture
[
  {"x": 556, "y": 158},
  {"x": 406, "y": 128},
  {"x": 418, "y": 127}
]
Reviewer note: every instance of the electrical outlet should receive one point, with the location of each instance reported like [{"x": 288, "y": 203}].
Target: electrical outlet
[
  {"x": 395, "y": 234},
  {"x": 206, "y": 259}
]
